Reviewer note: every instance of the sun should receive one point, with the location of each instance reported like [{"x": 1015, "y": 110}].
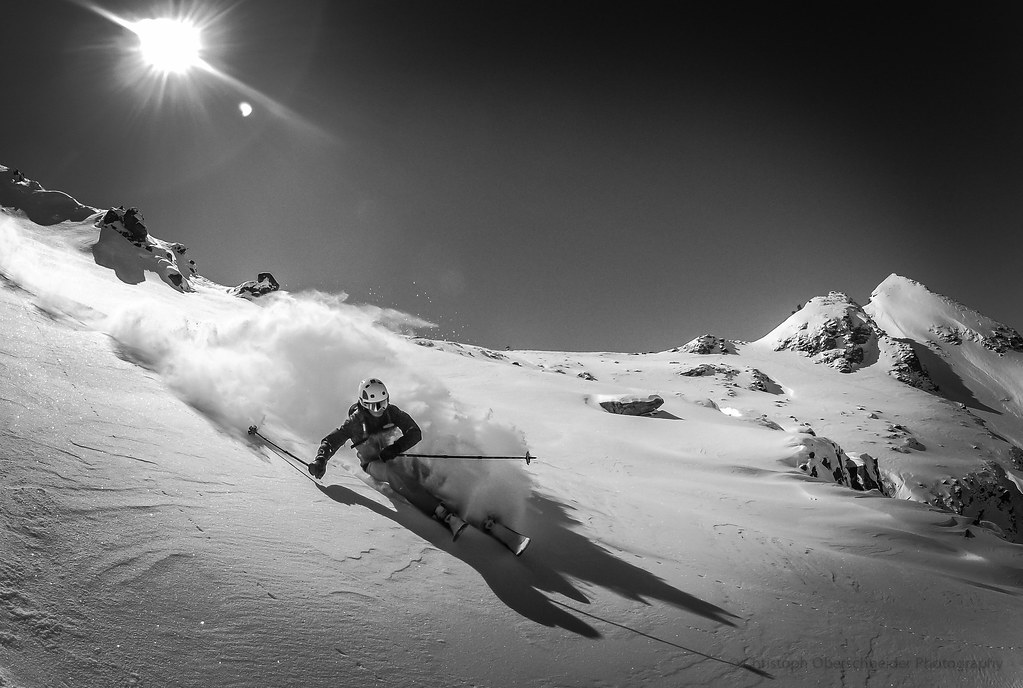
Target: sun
[
  {"x": 169, "y": 46},
  {"x": 171, "y": 58}
]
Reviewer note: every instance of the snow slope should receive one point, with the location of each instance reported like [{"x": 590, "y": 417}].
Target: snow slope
[
  {"x": 148, "y": 541},
  {"x": 976, "y": 361}
]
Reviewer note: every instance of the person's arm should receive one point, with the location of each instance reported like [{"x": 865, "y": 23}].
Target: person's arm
[
  {"x": 411, "y": 434},
  {"x": 332, "y": 442}
]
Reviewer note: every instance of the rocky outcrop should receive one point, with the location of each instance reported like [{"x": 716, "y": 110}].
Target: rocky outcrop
[
  {"x": 841, "y": 335},
  {"x": 126, "y": 247},
  {"x": 264, "y": 284},
  {"x": 42, "y": 206},
  {"x": 864, "y": 473},
  {"x": 988, "y": 496},
  {"x": 1016, "y": 458},
  {"x": 632, "y": 405},
  {"x": 1001, "y": 339},
  {"x": 750, "y": 378},
  {"x": 759, "y": 381},
  {"x": 129, "y": 224},
  {"x": 823, "y": 459},
  {"x": 906, "y": 366},
  {"x": 706, "y": 369},
  {"x": 707, "y": 344},
  {"x": 901, "y": 440}
]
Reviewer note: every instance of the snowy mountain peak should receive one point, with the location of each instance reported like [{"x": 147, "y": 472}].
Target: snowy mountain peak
[
  {"x": 974, "y": 360},
  {"x": 907, "y": 309},
  {"x": 833, "y": 330}
]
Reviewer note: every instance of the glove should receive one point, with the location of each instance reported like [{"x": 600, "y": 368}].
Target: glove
[
  {"x": 317, "y": 468},
  {"x": 387, "y": 453}
]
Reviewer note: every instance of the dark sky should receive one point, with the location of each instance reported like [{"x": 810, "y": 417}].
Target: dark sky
[{"x": 559, "y": 175}]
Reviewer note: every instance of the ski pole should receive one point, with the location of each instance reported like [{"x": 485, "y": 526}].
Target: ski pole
[
  {"x": 254, "y": 431},
  {"x": 528, "y": 457}
]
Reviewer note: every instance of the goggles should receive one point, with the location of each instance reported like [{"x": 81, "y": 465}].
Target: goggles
[{"x": 375, "y": 406}]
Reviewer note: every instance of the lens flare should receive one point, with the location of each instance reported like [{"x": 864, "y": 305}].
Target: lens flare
[
  {"x": 169, "y": 45},
  {"x": 173, "y": 61}
]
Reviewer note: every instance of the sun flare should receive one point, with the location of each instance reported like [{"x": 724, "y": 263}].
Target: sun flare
[
  {"x": 173, "y": 59},
  {"x": 170, "y": 46}
]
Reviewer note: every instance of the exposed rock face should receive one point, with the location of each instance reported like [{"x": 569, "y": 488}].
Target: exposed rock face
[
  {"x": 707, "y": 344},
  {"x": 834, "y": 330},
  {"x": 633, "y": 406},
  {"x": 264, "y": 284},
  {"x": 901, "y": 440},
  {"x": 126, "y": 247},
  {"x": 1001, "y": 339},
  {"x": 42, "y": 206},
  {"x": 906, "y": 366},
  {"x": 841, "y": 335},
  {"x": 823, "y": 459},
  {"x": 988, "y": 496},
  {"x": 1016, "y": 458},
  {"x": 750, "y": 378},
  {"x": 129, "y": 224},
  {"x": 864, "y": 473},
  {"x": 759, "y": 381},
  {"x": 706, "y": 369}
]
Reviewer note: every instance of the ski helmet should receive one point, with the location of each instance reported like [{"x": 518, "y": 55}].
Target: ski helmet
[{"x": 373, "y": 396}]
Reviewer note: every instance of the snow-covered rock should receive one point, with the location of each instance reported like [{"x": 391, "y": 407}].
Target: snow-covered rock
[
  {"x": 988, "y": 496},
  {"x": 704, "y": 369},
  {"x": 904, "y": 364},
  {"x": 42, "y": 206},
  {"x": 126, "y": 247},
  {"x": 864, "y": 473},
  {"x": 748, "y": 378},
  {"x": 264, "y": 284},
  {"x": 631, "y": 405},
  {"x": 821, "y": 458},
  {"x": 832, "y": 330},
  {"x": 707, "y": 344},
  {"x": 759, "y": 381},
  {"x": 128, "y": 223}
]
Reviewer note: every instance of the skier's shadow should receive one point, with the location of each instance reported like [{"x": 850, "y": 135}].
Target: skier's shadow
[{"x": 556, "y": 557}]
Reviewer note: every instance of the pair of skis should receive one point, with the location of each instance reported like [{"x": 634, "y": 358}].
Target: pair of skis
[
  {"x": 512, "y": 539},
  {"x": 515, "y": 541}
]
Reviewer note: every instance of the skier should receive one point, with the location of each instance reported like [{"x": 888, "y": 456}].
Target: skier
[{"x": 381, "y": 431}]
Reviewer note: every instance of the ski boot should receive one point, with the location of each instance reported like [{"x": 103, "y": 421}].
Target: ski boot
[
  {"x": 451, "y": 520},
  {"x": 513, "y": 540}
]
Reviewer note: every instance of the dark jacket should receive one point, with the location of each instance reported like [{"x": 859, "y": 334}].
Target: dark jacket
[{"x": 361, "y": 424}]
